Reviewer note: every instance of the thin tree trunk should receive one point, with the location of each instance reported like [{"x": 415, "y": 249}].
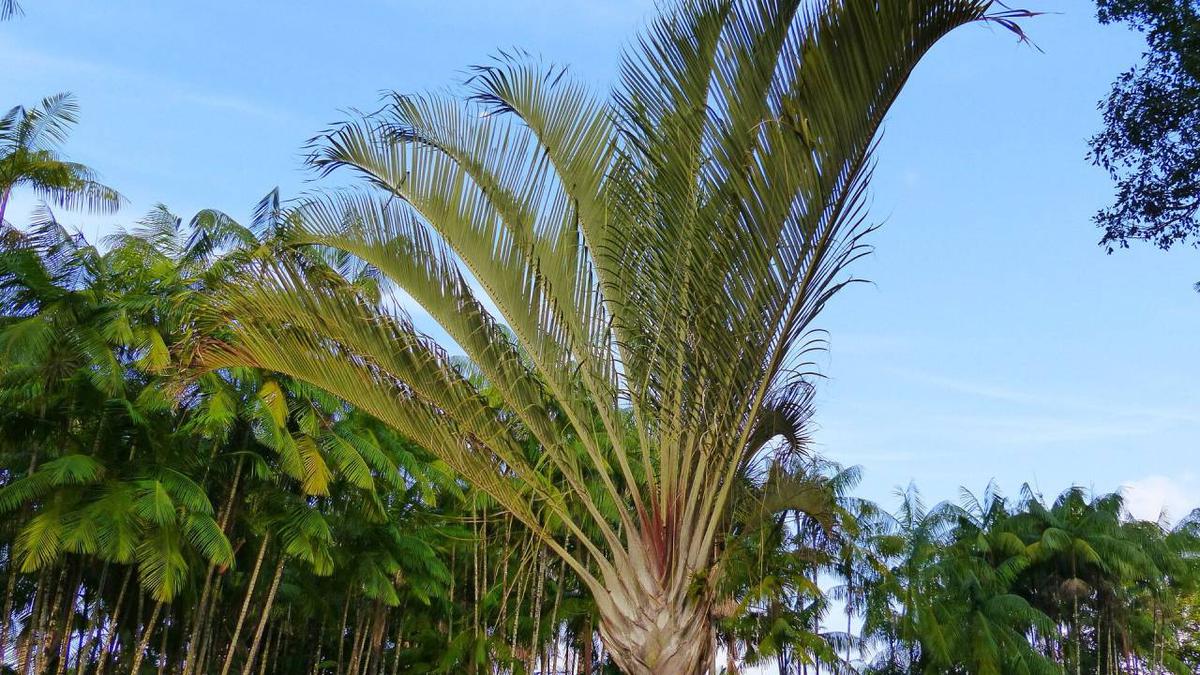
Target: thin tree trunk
[
  {"x": 198, "y": 620},
  {"x": 39, "y": 621},
  {"x": 93, "y": 616},
  {"x": 588, "y": 646},
  {"x": 79, "y": 646},
  {"x": 25, "y": 651},
  {"x": 357, "y": 640},
  {"x": 4, "y": 207},
  {"x": 262, "y": 668},
  {"x": 281, "y": 640},
  {"x": 49, "y": 624},
  {"x": 849, "y": 616},
  {"x": 237, "y": 630},
  {"x": 316, "y": 659},
  {"x": 342, "y": 632},
  {"x": 144, "y": 643},
  {"x": 5, "y": 624},
  {"x": 102, "y": 663},
  {"x": 68, "y": 622},
  {"x": 378, "y": 628},
  {"x": 138, "y": 626},
  {"x": 1079, "y": 635},
  {"x": 266, "y": 615},
  {"x": 396, "y": 648},
  {"x": 192, "y": 648},
  {"x": 540, "y": 574},
  {"x": 9, "y": 595},
  {"x": 206, "y": 635},
  {"x": 554, "y": 610},
  {"x": 162, "y": 649}
]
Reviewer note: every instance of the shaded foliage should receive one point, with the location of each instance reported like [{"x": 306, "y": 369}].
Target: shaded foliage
[{"x": 1151, "y": 140}]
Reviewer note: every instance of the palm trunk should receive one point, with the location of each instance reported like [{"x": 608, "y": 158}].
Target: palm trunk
[
  {"x": 356, "y": 641},
  {"x": 316, "y": 659},
  {"x": 206, "y": 635},
  {"x": 93, "y": 616},
  {"x": 273, "y": 633},
  {"x": 26, "y": 648},
  {"x": 266, "y": 615},
  {"x": 1079, "y": 635},
  {"x": 4, "y": 207},
  {"x": 237, "y": 629},
  {"x": 116, "y": 618},
  {"x": 144, "y": 643},
  {"x": 342, "y": 632},
  {"x": 61, "y": 639},
  {"x": 163, "y": 657},
  {"x": 192, "y": 648},
  {"x": 9, "y": 595},
  {"x": 396, "y": 648},
  {"x": 540, "y": 575},
  {"x": 849, "y": 616},
  {"x": 378, "y": 627},
  {"x": 588, "y": 646},
  {"x": 49, "y": 626},
  {"x": 68, "y": 622},
  {"x": 79, "y": 646}
]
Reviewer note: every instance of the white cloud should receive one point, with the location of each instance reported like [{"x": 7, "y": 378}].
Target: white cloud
[{"x": 1147, "y": 498}]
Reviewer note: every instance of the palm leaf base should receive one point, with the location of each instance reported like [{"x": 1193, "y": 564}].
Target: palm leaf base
[{"x": 659, "y": 636}]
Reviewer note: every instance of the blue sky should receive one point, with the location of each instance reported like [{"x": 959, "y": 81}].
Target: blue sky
[{"x": 995, "y": 340}]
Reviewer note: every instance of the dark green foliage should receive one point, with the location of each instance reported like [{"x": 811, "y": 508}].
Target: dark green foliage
[{"x": 1151, "y": 140}]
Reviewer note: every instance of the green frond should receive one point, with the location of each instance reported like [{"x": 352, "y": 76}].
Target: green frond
[
  {"x": 316, "y": 475},
  {"x": 153, "y": 503},
  {"x": 347, "y": 460},
  {"x": 184, "y": 491},
  {"x": 307, "y": 536},
  {"x": 202, "y": 532},
  {"x": 40, "y": 541},
  {"x": 162, "y": 568}
]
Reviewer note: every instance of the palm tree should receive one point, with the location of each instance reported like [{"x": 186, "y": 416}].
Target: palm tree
[
  {"x": 30, "y": 144},
  {"x": 980, "y": 623},
  {"x": 659, "y": 259}
]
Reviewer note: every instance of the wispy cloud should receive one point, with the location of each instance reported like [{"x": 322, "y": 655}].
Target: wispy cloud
[
  {"x": 234, "y": 104},
  {"x": 40, "y": 64},
  {"x": 1007, "y": 428},
  {"x": 1050, "y": 402}
]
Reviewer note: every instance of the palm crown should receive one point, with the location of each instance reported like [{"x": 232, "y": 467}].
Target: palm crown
[
  {"x": 635, "y": 277},
  {"x": 30, "y": 139}
]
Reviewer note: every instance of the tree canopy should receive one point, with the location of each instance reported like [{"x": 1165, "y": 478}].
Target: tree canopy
[{"x": 1150, "y": 143}]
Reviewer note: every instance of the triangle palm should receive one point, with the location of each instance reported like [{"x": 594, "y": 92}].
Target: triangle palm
[{"x": 659, "y": 259}]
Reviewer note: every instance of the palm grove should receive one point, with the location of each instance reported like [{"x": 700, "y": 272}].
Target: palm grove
[{"x": 226, "y": 447}]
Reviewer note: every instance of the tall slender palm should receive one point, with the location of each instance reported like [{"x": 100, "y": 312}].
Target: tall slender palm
[
  {"x": 30, "y": 156},
  {"x": 659, "y": 258}
]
